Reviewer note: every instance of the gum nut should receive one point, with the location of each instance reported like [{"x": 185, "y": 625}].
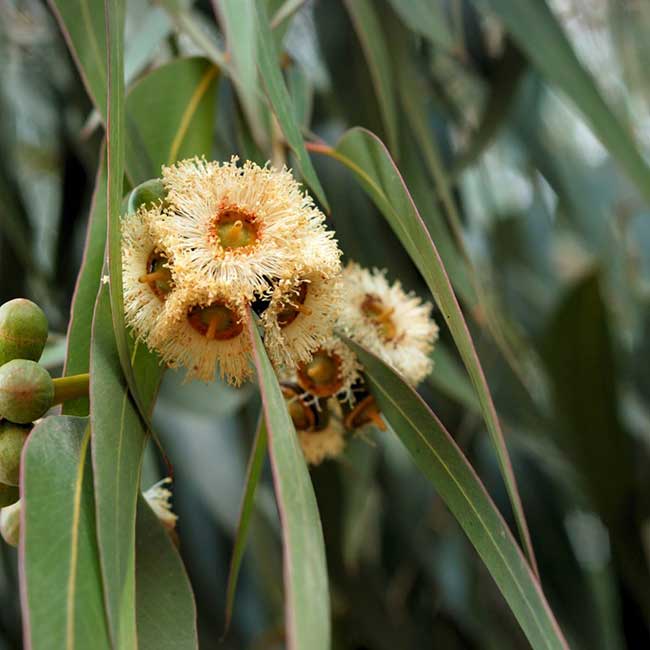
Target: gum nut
[
  {"x": 23, "y": 330},
  {"x": 26, "y": 391},
  {"x": 8, "y": 494},
  {"x": 147, "y": 193},
  {"x": 12, "y": 440},
  {"x": 10, "y": 524}
]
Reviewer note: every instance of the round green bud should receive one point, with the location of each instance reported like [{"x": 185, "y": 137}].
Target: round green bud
[
  {"x": 147, "y": 193},
  {"x": 23, "y": 330},
  {"x": 26, "y": 391},
  {"x": 8, "y": 494},
  {"x": 12, "y": 440},
  {"x": 10, "y": 524}
]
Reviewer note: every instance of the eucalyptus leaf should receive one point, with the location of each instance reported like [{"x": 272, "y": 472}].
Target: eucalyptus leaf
[
  {"x": 166, "y": 613},
  {"x": 77, "y": 358},
  {"x": 184, "y": 128},
  {"x": 370, "y": 33},
  {"x": 119, "y": 438},
  {"x": 307, "y": 608},
  {"x": 61, "y": 586},
  {"x": 372, "y": 165},
  {"x": 443, "y": 463},
  {"x": 253, "y": 473},
  {"x": 281, "y": 101}
]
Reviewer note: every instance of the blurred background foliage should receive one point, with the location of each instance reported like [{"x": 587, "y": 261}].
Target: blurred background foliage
[{"x": 545, "y": 238}]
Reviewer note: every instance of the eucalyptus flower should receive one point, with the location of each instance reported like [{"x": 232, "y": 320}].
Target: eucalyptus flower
[
  {"x": 147, "y": 273},
  {"x": 331, "y": 372},
  {"x": 300, "y": 316},
  {"x": 393, "y": 324},
  {"x": 240, "y": 226},
  {"x": 205, "y": 332}
]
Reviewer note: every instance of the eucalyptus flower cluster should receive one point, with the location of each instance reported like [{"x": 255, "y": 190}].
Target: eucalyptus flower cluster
[{"x": 224, "y": 243}]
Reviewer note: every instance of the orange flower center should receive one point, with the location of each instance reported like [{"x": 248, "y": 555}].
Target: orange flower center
[
  {"x": 158, "y": 276},
  {"x": 381, "y": 316},
  {"x": 365, "y": 412},
  {"x": 235, "y": 229},
  {"x": 321, "y": 375},
  {"x": 216, "y": 322},
  {"x": 301, "y": 414},
  {"x": 294, "y": 306}
]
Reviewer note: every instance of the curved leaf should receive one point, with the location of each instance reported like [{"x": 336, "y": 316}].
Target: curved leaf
[
  {"x": 367, "y": 157},
  {"x": 165, "y": 603},
  {"x": 443, "y": 463},
  {"x": 238, "y": 19},
  {"x": 119, "y": 438},
  {"x": 184, "y": 128},
  {"x": 281, "y": 101},
  {"x": 83, "y": 26},
  {"x": 369, "y": 30},
  {"x": 253, "y": 473},
  {"x": 85, "y": 294},
  {"x": 307, "y": 610},
  {"x": 61, "y": 587}
]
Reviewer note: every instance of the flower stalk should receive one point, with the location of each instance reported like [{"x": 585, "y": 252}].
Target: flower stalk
[{"x": 72, "y": 387}]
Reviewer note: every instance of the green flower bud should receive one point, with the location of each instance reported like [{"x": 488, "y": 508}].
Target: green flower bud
[
  {"x": 12, "y": 439},
  {"x": 10, "y": 524},
  {"x": 26, "y": 391},
  {"x": 149, "y": 192},
  {"x": 9, "y": 494},
  {"x": 23, "y": 330}
]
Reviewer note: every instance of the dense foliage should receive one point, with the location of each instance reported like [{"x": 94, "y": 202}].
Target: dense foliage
[{"x": 502, "y": 146}]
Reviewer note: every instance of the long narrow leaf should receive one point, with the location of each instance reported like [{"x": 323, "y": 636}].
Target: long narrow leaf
[
  {"x": 61, "y": 587},
  {"x": 165, "y": 604},
  {"x": 118, "y": 444},
  {"x": 443, "y": 463},
  {"x": 307, "y": 611},
  {"x": 238, "y": 19},
  {"x": 253, "y": 473},
  {"x": 85, "y": 294},
  {"x": 281, "y": 101},
  {"x": 83, "y": 26},
  {"x": 363, "y": 153},
  {"x": 369, "y": 30}
]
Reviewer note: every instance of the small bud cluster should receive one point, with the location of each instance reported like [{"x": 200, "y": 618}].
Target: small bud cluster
[
  {"x": 210, "y": 245},
  {"x": 26, "y": 393}
]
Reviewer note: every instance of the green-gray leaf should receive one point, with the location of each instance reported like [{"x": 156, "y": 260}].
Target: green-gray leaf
[
  {"x": 281, "y": 101},
  {"x": 165, "y": 604},
  {"x": 368, "y": 158},
  {"x": 443, "y": 463},
  {"x": 60, "y": 579},
  {"x": 307, "y": 610},
  {"x": 253, "y": 473}
]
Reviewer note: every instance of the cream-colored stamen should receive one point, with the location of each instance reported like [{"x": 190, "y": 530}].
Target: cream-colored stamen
[{"x": 215, "y": 321}]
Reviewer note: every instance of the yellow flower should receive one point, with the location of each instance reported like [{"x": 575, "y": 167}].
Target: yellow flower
[
  {"x": 300, "y": 317},
  {"x": 395, "y": 325},
  {"x": 205, "y": 331},
  {"x": 332, "y": 371},
  {"x": 236, "y": 226},
  {"x": 147, "y": 274}
]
